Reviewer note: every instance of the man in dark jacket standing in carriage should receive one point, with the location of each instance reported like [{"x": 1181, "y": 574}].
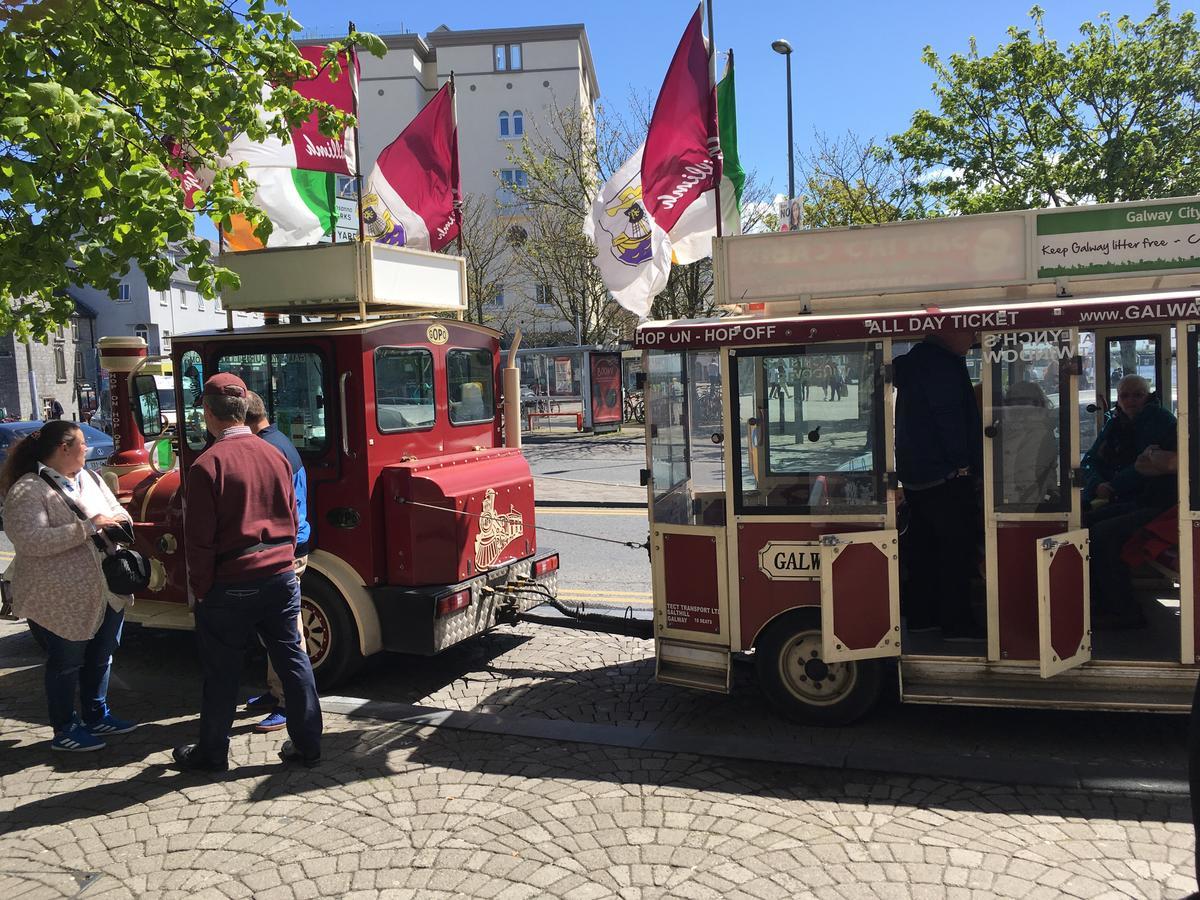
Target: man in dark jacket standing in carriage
[{"x": 939, "y": 457}]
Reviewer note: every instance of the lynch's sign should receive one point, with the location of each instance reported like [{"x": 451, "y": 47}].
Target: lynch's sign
[{"x": 790, "y": 560}]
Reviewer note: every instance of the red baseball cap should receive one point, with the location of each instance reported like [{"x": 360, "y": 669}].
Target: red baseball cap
[{"x": 224, "y": 384}]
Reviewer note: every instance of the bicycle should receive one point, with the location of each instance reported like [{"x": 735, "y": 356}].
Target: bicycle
[{"x": 635, "y": 407}]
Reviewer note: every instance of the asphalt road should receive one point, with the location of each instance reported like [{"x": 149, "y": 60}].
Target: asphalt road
[{"x": 594, "y": 569}]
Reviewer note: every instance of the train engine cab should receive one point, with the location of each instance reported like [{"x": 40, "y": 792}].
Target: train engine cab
[{"x": 423, "y": 528}]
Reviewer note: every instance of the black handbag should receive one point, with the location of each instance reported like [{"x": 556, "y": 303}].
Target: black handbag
[{"x": 125, "y": 571}]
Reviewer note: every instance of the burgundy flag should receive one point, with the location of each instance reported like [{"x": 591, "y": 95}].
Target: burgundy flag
[
  {"x": 682, "y": 158},
  {"x": 409, "y": 198}
]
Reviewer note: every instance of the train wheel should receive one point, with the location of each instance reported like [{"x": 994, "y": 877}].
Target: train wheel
[
  {"x": 801, "y": 685},
  {"x": 329, "y": 631}
]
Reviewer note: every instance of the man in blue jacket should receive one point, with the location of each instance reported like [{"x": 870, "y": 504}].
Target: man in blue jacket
[
  {"x": 256, "y": 418},
  {"x": 939, "y": 457}
]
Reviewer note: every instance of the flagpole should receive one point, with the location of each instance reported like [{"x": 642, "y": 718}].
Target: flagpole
[
  {"x": 712, "y": 80},
  {"x": 357, "y": 152},
  {"x": 455, "y": 190}
]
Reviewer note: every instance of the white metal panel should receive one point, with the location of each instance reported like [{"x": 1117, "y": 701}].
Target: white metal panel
[{"x": 416, "y": 279}]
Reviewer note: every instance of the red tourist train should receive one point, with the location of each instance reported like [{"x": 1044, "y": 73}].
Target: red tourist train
[{"x": 423, "y": 520}]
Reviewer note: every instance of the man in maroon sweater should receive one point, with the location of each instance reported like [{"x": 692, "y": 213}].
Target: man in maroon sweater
[{"x": 240, "y": 539}]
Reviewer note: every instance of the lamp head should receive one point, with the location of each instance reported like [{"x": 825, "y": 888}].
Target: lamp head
[{"x": 781, "y": 46}]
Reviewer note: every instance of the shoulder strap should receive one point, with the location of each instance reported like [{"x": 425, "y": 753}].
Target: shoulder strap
[{"x": 49, "y": 479}]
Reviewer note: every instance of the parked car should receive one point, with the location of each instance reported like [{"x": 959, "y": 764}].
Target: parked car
[{"x": 100, "y": 445}]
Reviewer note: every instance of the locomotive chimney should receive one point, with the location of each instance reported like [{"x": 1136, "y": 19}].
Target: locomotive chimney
[
  {"x": 512, "y": 395},
  {"x": 120, "y": 356}
]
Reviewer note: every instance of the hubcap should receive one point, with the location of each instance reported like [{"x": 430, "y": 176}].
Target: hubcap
[
  {"x": 316, "y": 631},
  {"x": 808, "y": 677}
]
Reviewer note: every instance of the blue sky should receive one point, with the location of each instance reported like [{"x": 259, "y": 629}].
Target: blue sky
[{"x": 856, "y": 65}]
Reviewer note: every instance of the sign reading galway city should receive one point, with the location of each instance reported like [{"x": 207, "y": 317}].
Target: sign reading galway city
[{"x": 1135, "y": 238}]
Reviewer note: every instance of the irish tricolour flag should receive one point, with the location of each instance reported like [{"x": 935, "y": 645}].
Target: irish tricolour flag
[{"x": 299, "y": 203}]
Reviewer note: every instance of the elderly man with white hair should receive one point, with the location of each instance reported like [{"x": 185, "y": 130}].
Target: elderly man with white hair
[{"x": 1120, "y": 496}]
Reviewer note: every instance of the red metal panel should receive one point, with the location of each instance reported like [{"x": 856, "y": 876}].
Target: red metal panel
[
  {"x": 862, "y": 602},
  {"x": 1016, "y": 577},
  {"x": 758, "y": 598},
  {"x": 1066, "y": 601},
  {"x": 481, "y": 517},
  {"x": 690, "y": 575}
]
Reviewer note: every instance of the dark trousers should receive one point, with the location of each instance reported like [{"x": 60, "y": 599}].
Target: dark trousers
[
  {"x": 82, "y": 666},
  {"x": 941, "y": 550},
  {"x": 1109, "y": 528},
  {"x": 225, "y": 621}
]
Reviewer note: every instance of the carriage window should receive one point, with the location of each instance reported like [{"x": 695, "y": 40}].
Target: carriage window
[
  {"x": 808, "y": 427},
  {"x": 1133, "y": 356},
  {"x": 1030, "y": 417},
  {"x": 469, "y": 381},
  {"x": 668, "y": 436},
  {"x": 404, "y": 398},
  {"x": 292, "y": 386},
  {"x": 191, "y": 379}
]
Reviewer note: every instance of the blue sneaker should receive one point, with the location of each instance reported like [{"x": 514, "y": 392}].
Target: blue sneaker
[
  {"x": 275, "y": 721},
  {"x": 76, "y": 739},
  {"x": 262, "y": 701},
  {"x": 110, "y": 724}
]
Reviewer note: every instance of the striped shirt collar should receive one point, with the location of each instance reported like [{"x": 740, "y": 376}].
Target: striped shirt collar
[{"x": 235, "y": 431}]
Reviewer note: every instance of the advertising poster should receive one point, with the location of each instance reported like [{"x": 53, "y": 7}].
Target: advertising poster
[
  {"x": 606, "y": 387},
  {"x": 562, "y": 375}
]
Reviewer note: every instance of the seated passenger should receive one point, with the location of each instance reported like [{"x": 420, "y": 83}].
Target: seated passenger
[
  {"x": 1114, "y": 485},
  {"x": 1029, "y": 445},
  {"x": 1113, "y": 601}
]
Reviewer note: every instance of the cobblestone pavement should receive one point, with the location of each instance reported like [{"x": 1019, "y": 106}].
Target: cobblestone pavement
[{"x": 405, "y": 811}]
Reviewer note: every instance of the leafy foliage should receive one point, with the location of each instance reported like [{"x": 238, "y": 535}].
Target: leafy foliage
[
  {"x": 95, "y": 94},
  {"x": 1112, "y": 117}
]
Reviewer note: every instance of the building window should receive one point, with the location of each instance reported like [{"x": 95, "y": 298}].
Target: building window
[
  {"x": 79, "y": 376},
  {"x": 166, "y": 341},
  {"x": 59, "y": 333},
  {"x": 182, "y": 298},
  {"x": 504, "y": 124},
  {"x": 507, "y": 57},
  {"x": 217, "y": 305},
  {"x": 511, "y": 180},
  {"x": 60, "y": 365},
  {"x": 200, "y": 302},
  {"x": 543, "y": 295},
  {"x": 518, "y": 123},
  {"x": 122, "y": 292},
  {"x": 498, "y": 297},
  {"x": 75, "y": 328},
  {"x": 164, "y": 297},
  {"x": 141, "y": 331}
]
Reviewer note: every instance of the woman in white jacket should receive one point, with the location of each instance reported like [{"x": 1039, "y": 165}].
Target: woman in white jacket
[{"x": 57, "y": 580}]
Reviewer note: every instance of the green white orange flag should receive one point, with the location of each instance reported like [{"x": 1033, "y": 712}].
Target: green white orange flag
[{"x": 299, "y": 203}]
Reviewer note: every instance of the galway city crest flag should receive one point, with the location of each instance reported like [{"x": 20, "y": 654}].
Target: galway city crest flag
[
  {"x": 410, "y": 196},
  {"x": 640, "y": 206}
]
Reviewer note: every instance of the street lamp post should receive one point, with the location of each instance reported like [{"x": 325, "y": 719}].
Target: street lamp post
[{"x": 784, "y": 48}]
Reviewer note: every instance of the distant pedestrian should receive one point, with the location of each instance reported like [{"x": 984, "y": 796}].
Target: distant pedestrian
[
  {"x": 240, "y": 534},
  {"x": 56, "y": 410},
  {"x": 256, "y": 419},
  {"x": 57, "y": 581}
]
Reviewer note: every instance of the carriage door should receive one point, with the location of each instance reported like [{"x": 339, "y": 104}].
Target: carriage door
[
  {"x": 687, "y": 519},
  {"x": 1036, "y": 558},
  {"x": 814, "y": 520}
]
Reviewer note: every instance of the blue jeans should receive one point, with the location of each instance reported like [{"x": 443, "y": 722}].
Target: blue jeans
[
  {"x": 225, "y": 621},
  {"x": 82, "y": 666}
]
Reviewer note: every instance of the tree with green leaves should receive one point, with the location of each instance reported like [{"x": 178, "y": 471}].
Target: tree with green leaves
[
  {"x": 1112, "y": 117},
  {"x": 96, "y": 94}
]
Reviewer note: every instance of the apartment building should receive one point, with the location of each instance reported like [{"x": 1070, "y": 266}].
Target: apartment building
[
  {"x": 506, "y": 80},
  {"x": 64, "y": 367}
]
